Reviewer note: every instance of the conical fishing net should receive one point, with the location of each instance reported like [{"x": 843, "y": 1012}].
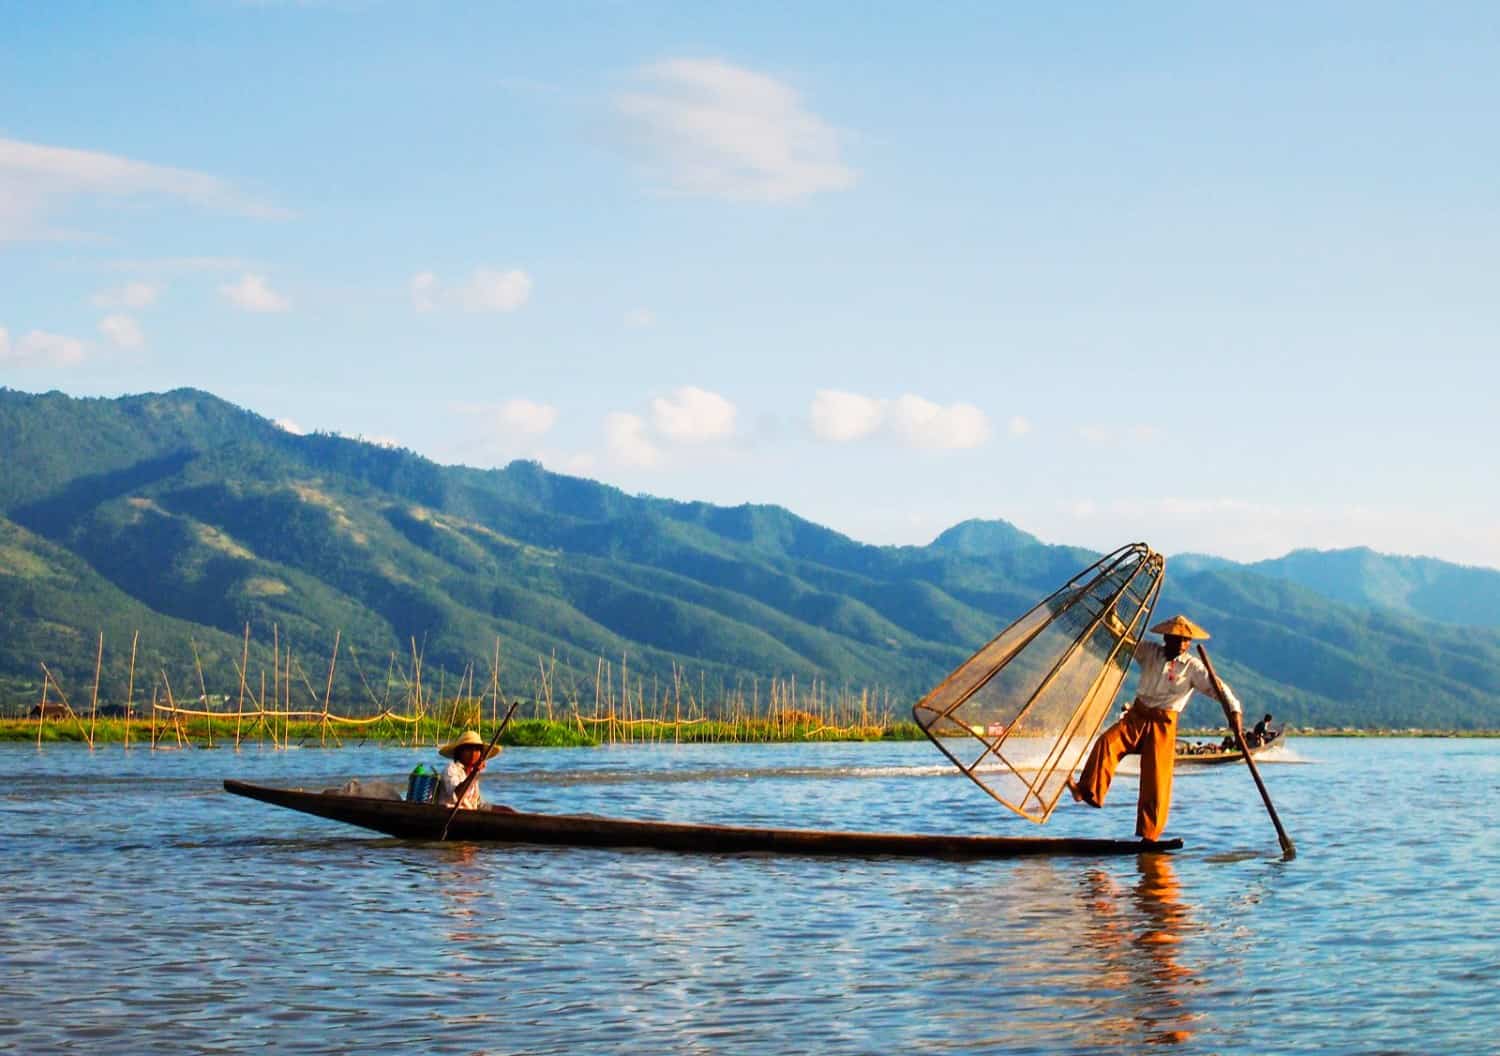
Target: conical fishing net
[{"x": 1018, "y": 715}]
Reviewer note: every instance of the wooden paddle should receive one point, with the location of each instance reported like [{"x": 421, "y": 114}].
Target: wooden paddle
[
  {"x": 1288, "y": 848},
  {"x": 469, "y": 780}
]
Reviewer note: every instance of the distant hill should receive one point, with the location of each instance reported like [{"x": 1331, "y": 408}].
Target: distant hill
[
  {"x": 1418, "y": 586},
  {"x": 182, "y": 516}
]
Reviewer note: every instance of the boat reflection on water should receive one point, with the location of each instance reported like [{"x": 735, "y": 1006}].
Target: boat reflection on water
[
  {"x": 1108, "y": 965},
  {"x": 464, "y": 884}
]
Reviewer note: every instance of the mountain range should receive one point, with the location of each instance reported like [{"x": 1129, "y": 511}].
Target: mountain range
[{"x": 184, "y": 517}]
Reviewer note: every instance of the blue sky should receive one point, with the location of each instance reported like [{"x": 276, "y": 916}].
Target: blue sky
[{"x": 1220, "y": 280}]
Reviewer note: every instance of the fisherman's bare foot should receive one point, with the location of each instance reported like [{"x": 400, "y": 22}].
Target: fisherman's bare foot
[{"x": 1077, "y": 792}]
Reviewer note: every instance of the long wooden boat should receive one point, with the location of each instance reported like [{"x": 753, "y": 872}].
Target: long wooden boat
[
  {"x": 1223, "y": 755},
  {"x": 421, "y": 821}
]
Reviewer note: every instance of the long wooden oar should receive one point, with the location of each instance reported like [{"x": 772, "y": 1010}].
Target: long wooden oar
[
  {"x": 469, "y": 780},
  {"x": 1288, "y": 848}
]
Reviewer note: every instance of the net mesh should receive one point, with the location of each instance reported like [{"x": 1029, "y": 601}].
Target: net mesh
[{"x": 1018, "y": 715}]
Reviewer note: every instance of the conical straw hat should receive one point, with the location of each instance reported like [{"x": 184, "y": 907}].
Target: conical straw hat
[
  {"x": 1179, "y": 626},
  {"x": 469, "y": 737}
]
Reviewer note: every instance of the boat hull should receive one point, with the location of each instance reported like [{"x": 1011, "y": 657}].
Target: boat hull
[
  {"x": 420, "y": 821},
  {"x": 1231, "y": 755}
]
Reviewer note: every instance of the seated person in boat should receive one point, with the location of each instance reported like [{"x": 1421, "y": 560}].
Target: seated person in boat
[
  {"x": 1169, "y": 674},
  {"x": 469, "y": 757},
  {"x": 1262, "y": 732}
]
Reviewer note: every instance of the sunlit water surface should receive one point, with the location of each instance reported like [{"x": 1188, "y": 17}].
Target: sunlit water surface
[{"x": 148, "y": 911}]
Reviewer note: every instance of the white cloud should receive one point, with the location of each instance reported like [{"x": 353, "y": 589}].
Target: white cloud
[
  {"x": 579, "y": 464},
  {"x": 495, "y": 291},
  {"x": 711, "y": 128},
  {"x": 513, "y": 416},
  {"x": 625, "y": 437},
  {"x": 41, "y": 349},
  {"x": 253, "y": 293},
  {"x": 488, "y": 290},
  {"x": 286, "y": 425},
  {"x": 122, "y": 331},
  {"x": 640, "y": 317},
  {"x": 692, "y": 415},
  {"x": 34, "y": 178},
  {"x": 844, "y": 416},
  {"x": 424, "y": 291},
  {"x": 132, "y": 295},
  {"x": 926, "y": 424},
  {"x": 524, "y": 416},
  {"x": 1019, "y": 426}
]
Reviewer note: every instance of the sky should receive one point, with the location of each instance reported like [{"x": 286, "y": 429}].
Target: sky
[{"x": 1219, "y": 279}]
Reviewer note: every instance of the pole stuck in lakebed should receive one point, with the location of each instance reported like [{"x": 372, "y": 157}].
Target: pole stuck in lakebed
[{"x": 1288, "y": 848}]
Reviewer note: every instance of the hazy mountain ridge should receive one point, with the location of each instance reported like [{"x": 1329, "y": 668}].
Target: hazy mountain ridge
[
  {"x": 181, "y": 513},
  {"x": 1425, "y": 587}
]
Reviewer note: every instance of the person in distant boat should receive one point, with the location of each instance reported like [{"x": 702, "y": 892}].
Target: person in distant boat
[
  {"x": 1169, "y": 674},
  {"x": 1262, "y": 732},
  {"x": 469, "y": 757}
]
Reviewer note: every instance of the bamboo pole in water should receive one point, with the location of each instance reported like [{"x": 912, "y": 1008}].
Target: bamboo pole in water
[
  {"x": 172, "y": 704},
  {"x": 130, "y": 686},
  {"x": 338, "y": 636},
  {"x": 416, "y": 675},
  {"x": 275, "y": 679},
  {"x": 629, "y": 730},
  {"x": 286, "y": 714},
  {"x": 676, "y": 704},
  {"x": 203, "y": 691},
  {"x": 239, "y": 714},
  {"x": 63, "y": 699},
  {"x": 261, "y": 709},
  {"x": 94, "y": 700},
  {"x": 41, "y": 709}
]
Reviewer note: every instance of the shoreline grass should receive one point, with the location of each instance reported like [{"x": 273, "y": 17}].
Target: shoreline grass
[
  {"x": 526, "y": 733},
  {"x": 219, "y": 732}
]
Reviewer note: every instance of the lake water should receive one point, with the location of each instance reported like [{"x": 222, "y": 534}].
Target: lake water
[{"x": 148, "y": 912}]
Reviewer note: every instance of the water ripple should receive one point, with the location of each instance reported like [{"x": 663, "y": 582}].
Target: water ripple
[{"x": 148, "y": 911}]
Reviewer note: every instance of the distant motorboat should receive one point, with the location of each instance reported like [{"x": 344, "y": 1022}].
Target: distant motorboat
[{"x": 1206, "y": 753}]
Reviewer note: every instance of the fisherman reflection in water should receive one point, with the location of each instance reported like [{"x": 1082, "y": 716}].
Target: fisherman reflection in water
[
  {"x": 1136, "y": 938},
  {"x": 469, "y": 757},
  {"x": 1169, "y": 674}
]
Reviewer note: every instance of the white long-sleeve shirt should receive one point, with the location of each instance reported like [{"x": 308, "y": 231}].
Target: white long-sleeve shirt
[
  {"x": 1168, "y": 684},
  {"x": 447, "y": 790}
]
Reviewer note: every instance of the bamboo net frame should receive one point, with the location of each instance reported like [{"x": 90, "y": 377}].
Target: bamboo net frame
[{"x": 1018, "y": 715}]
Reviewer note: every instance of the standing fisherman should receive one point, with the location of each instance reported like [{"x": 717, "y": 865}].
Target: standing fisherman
[{"x": 1169, "y": 674}]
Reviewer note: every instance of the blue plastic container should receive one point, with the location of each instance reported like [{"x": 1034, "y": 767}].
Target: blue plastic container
[{"x": 421, "y": 784}]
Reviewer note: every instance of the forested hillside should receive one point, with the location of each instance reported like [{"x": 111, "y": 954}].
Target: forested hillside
[{"x": 184, "y": 517}]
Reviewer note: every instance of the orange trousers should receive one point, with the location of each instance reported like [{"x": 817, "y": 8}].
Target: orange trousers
[{"x": 1150, "y": 733}]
